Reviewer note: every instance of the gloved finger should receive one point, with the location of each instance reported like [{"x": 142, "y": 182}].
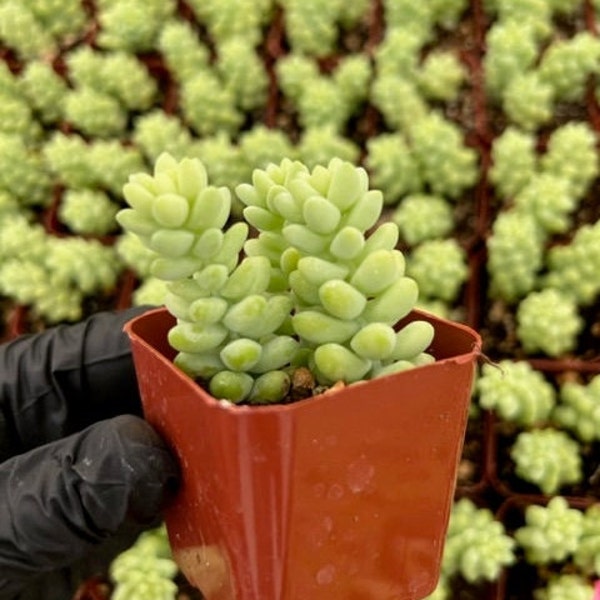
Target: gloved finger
[
  {"x": 59, "y": 381},
  {"x": 60, "y": 501}
]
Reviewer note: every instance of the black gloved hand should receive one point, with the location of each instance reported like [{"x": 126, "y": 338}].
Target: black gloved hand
[{"x": 77, "y": 484}]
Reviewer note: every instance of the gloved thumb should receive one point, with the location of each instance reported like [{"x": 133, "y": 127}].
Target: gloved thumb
[{"x": 61, "y": 500}]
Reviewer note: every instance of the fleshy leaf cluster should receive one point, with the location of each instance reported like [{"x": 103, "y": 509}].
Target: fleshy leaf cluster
[
  {"x": 310, "y": 289},
  {"x": 516, "y": 391}
]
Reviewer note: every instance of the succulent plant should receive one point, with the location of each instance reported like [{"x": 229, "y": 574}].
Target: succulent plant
[
  {"x": 548, "y": 458},
  {"x": 578, "y": 410},
  {"x": 88, "y": 212},
  {"x": 514, "y": 161},
  {"x": 551, "y": 533},
  {"x": 146, "y": 570},
  {"x": 567, "y": 64},
  {"x": 516, "y": 391},
  {"x": 587, "y": 554},
  {"x": 565, "y": 587},
  {"x": 572, "y": 267},
  {"x": 477, "y": 545},
  {"x": 311, "y": 290},
  {"x": 439, "y": 267},
  {"x": 515, "y": 255},
  {"x": 423, "y": 217},
  {"x": 548, "y": 321}
]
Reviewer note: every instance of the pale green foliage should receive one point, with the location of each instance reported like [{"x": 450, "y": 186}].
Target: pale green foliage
[
  {"x": 182, "y": 50},
  {"x": 419, "y": 14},
  {"x": 587, "y": 554},
  {"x": 441, "y": 75},
  {"x": 448, "y": 166},
  {"x": 87, "y": 265},
  {"x": 63, "y": 19},
  {"x": 261, "y": 145},
  {"x": 243, "y": 73},
  {"x": 338, "y": 276},
  {"x": 516, "y": 392},
  {"x": 421, "y": 17},
  {"x": 515, "y": 255},
  {"x": 111, "y": 162},
  {"x": 318, "y": 145},
  {"x": 208, "y": 106},
  {"x": 155, "y": 132},
  {"x": 146, "y": 570},
  {"x": 9, "y": 84},
  {"x": 548, "y": 322},
  {"x": 52, "y": 275},
  {"x": 447, "y": 13},
  {"x": 223, "y": 160},
  {"x": 398, "y": 52},
  {"x": 28, "y": 283},
  {"x": 150, "y": 292},
  {"x": 95, "y": 113},
  {"x": 571, "y": 155},
  {"x": 19, "y": 238},
  {"x": 117, "y": 74},
  {"x": 16, "y": 118},
  {"x": 85, "y": 67},
  {"x": 549, "y": 200},
  {"x": 101, "y": 163},
  {"x": 439, "y": 267},
  {"x": 551, "y": 533},
  {"x": 399, "y": 101},
  {"x": 445, "y": 164},
  {"x": 21, "y": 31},
  {"x": 392, "y": 166},
  {"x": 548, "y": 458},
  {"x": 574, "y": 268},
  {"x": 23, "y": 173},
  {"x": 578, "y": 410},
  {"x": 311, "y": 276},
  {"x": 565, "y": 587},
  {"x": 293, "y": 70},
  {"x": 402, "y": 74},
  {"x": 528, "y": 100},
  {"x": 88, "y": 212},
  {"x": 537, "y": 13},
  {"x": 477, "y": 546},
  {"x": 320, "y": 105},
  {"x": 132, "y": 25},
  {"x": 134, "y": 254},
  {"x": 567, "y": 64},
  {"x": 324, "y": 100},
  {"x": 511, "y": 50},
  {"x": 514, "y": 161},
  {"x": 352, "y": 77},
  {"x": 313, "y": 26},
  {"x": 44, "y": 90},
  {"x": 423, "y": 217},
  {"x": 128, "y": 80},
  {"x": 66, "y": 157},
  {"x": 225, "y": 19}
]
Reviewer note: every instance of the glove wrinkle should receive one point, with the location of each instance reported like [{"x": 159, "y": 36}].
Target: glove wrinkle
[
  {"x": 60, "y": 501},
  {"x": 59, "y": 381}
]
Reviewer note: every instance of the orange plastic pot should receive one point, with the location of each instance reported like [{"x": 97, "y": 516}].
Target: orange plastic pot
[{"x": 344, "y": 495}]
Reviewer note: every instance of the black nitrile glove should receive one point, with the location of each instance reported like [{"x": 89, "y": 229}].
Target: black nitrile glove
[{"x": 77, "y": 483}]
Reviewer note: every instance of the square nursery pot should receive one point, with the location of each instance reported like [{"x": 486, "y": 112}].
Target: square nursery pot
[{"x": 343, "y": 495}]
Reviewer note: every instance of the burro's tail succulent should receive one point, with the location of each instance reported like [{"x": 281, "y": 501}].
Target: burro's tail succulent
[{"x": 308, "y": 279}]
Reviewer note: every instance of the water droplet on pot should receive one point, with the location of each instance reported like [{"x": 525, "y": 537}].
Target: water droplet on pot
[
  {"x": 336, "y": 491},
  {"x": 359, "y": 475},
  {"x": 326, "y": 575}
]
